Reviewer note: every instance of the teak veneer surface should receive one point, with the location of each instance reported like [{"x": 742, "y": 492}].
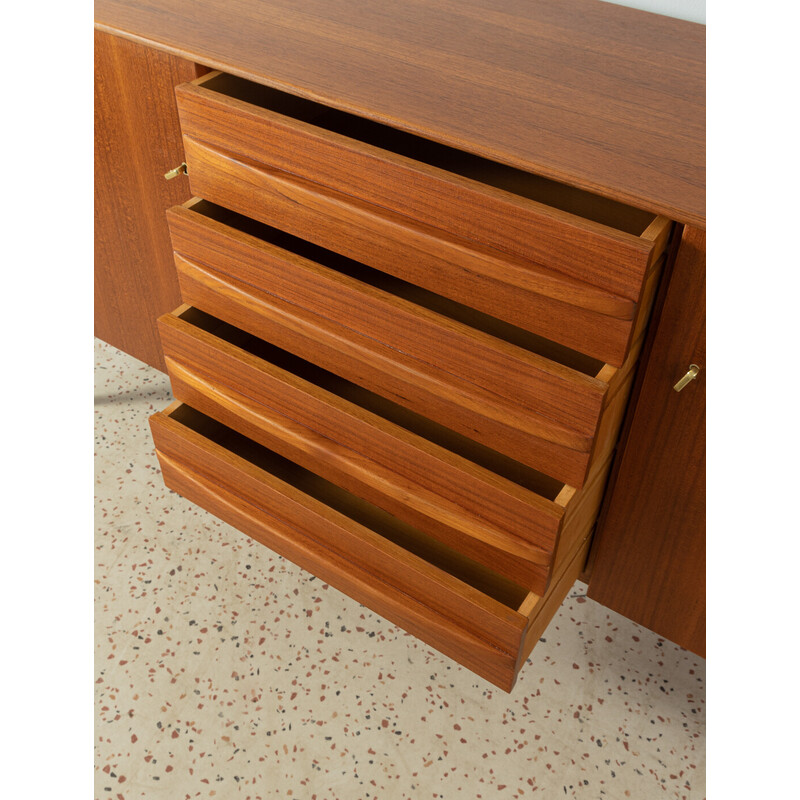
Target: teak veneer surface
[
  {"x": 598, "y": 96},
  {"x": 486, "y": 517},
  {"x": 465, "y": 611},
  {"x": 520, "y": 402},
  {"x": 137, "y": 139},
  {"x": 461, "y": 608},
  {"x": 510, "y": 254},
  {"x": 650, "y": 554},
  {"x": 572, "y": 232}
]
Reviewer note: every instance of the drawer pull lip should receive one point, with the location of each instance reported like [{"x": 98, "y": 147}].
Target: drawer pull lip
[
  {"x": 693, "y": 372},
  {"x": 569, "y": 240},
  {"x": 247, "y": 409},
  {"x": 181, "y": 169}
]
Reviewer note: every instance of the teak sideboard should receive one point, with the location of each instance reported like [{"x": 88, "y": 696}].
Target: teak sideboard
[{"x": 428, "y": 280}]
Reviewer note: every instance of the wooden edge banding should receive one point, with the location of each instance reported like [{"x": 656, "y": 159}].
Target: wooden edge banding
[
  {"x": 605, "y": 439},
  {"x": 565, "y": 496},
  {"x": 620, "y": 376},
  {"x": 606, "y": 373},
  {"x": 542, "y": 613},
  {"x": 658, "y": 232},
  {"x": 173, "y": 406},
  {"x": 203, "y": 79},
  {"x": 529, "y": 604},
  {"x": 581, "y": 514}
]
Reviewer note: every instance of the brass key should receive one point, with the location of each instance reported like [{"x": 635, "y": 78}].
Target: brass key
[
  {"x": 182, "y": 169},
  {"x": 687, "y": 378}
]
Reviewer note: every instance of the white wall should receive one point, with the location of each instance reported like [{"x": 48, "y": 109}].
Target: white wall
[{"x": 693, "y": 10}]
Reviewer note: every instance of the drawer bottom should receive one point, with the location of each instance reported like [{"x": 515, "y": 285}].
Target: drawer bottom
[{"x": 481, "y": 619}]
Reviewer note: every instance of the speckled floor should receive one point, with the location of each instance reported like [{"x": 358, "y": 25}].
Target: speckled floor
[{"x": 223, "y": 670}]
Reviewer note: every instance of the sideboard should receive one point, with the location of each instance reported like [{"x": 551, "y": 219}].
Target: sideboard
[{"x": 429, "y": 283}]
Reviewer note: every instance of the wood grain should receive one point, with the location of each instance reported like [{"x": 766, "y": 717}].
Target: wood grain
[
  {"x": 581, "y": 514},
  {"x": 472, "y": 209},
  {"x": 462, "y": 609},
  {"x": 550, "y": 304},
  {"x": 489, "y": 519},
  {"x": 524, "y": 405},
  {"x": 461, "y": 621},
  {"x": 649, "y": 554},
  {"x": 546, "y": 607},
  {"x": 137, "y": 139},
  {"x": 606, "y": 98},
  {"x": 557, "y": 391}
]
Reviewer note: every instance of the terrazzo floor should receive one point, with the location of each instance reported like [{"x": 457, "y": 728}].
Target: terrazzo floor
[{"x": 223, "y": 670}]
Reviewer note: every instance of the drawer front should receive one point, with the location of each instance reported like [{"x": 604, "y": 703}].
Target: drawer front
[
  {"x": 556, "y": 274},
  {"x": 468, "y": 612},
  {"x": 262, "y": 393},
  {"x": 525, "y": 405},
  {"x": 574, "y": 245}
]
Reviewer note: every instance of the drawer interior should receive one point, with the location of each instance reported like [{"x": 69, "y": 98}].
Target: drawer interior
[
  {"x": 540, "y": 484},
  {"x": 500, "y": 176},
  {"x": 407, "y": 291},
  {"x": 385, "y": 525}
]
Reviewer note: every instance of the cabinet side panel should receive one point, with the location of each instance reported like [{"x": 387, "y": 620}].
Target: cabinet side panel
[
  {"x": 649, "y": 553},
  {"x": 137, "y": 139}
]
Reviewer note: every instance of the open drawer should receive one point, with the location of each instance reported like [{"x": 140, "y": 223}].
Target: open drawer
[
  {"x": 548, "y": 258},
  {"x": 488, "y": 507},
  {"x": 527, "y": 397},
  {"x": 464, "y": 609}
]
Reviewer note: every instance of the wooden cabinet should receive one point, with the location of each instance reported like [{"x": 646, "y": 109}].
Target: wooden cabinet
[
  {"x": 266, "y": 260},
  {"x": 137, "y": 139},
  {"x": 408, "y": 341},
  {"x": 650, "y": 555}
]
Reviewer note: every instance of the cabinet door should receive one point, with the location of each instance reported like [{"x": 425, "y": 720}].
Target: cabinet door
[
  {"x": 137, "y": 139},
  {"x": 649, "y": 552}
]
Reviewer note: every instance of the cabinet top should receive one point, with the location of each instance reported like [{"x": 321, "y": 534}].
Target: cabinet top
[{"x": 600, "y": 96}]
